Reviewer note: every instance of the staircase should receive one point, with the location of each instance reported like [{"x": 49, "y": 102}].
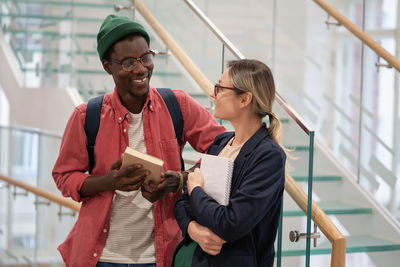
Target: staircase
[{"x": 53, "y": 46}]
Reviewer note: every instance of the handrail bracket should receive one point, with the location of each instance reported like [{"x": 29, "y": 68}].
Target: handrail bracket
[{"x": 329, "y": 23}]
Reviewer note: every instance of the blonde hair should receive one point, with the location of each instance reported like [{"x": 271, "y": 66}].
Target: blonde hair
[{"x": 249, "y": 75}]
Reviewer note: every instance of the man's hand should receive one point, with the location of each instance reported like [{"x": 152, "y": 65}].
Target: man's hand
[
  {"x": 195, "y": 178},
  {"x": 207, "y": 239},
  {"x": 127, "y": 179},
  {"x": 169, "y": 183}
]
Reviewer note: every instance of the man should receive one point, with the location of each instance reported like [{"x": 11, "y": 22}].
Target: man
[{"x": 120, "y": 222}]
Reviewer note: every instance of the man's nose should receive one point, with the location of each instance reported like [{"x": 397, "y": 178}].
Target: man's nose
[{"x": 138, "y": 67}]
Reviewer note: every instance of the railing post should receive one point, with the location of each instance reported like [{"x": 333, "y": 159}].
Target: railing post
[
  {"x": 279, "y": 245},
  {"x": 60, "y": 213},
  {"x": 309, "y": 195}
]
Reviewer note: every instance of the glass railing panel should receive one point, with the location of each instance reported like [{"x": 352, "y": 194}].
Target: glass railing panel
[
  {"x": 297, "y": 142},
  {"x": 379, "y": 14},
  {"x": 52, "y": 230},
  {"x": 197, "y": 40},
  {"x": 35, "y": 30},
  {"x": 30, "y": 156},
  {"x": 55, "y": 44},
  {"x": 31, "y": 227},
  {"x": 379, "y": 139},
  {"x": 238, "y": 20},
  {"x": 366, "y": 101}
]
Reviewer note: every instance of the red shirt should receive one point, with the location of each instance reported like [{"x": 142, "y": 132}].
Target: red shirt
[{"x": 87, "y": 238}]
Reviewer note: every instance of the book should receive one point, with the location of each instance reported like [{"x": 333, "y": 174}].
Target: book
[
  {"x": 150, "y": 163},
  {"x": 217, "y": 172}
]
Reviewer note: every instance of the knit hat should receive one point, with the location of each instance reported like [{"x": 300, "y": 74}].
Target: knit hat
[{"x": 114, "y": 28}]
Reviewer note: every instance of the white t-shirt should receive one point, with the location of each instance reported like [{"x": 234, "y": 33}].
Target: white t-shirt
[{"x": 131, "y": 236}]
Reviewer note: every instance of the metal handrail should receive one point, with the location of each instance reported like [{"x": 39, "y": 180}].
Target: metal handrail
[
  {"x": 228, "y": 44},
  {"x": 31, "y": 130}
]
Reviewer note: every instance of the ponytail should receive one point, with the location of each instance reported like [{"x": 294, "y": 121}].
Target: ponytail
[
  {"x": 275, "y": 128},
  {"x": 275, "y": 131}
]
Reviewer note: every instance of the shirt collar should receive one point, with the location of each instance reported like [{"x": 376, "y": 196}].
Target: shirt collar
[{"x": 120, "y": 110}]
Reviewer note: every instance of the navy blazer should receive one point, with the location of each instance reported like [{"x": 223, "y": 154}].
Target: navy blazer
[{"x": 249, "y": 222}]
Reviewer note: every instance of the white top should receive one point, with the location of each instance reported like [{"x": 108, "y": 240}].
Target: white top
[
  {"x": 230, "y": 151},
  {"x": 131, "y": 238}
]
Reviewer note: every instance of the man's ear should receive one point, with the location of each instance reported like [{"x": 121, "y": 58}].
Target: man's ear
[
  {"x": 246, "y": 99},
  {"x": 106, "y": 66}
]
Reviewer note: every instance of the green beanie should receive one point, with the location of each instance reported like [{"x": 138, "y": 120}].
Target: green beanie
[{"x": 114, "y": 28}]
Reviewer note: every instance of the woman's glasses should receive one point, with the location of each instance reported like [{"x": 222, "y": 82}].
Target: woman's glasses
[
  {"x": 218, "y": 88},
  {"x": 128, "y": 64}
]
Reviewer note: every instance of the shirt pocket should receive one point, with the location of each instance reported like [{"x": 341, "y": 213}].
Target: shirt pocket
[{"x": 171, "y": 154}]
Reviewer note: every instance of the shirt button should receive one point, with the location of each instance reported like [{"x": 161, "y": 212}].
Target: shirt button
[
  {"x": 124, "y": 130},
  {"x": 105, "y": 230},
  {"x": 95, "y": 254},
  {"x": 151, "y": 107},
  {"x": 120, "y": 118}
]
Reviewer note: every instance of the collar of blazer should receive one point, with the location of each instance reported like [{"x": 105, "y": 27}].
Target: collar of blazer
[{"x": 247, "y": 148}]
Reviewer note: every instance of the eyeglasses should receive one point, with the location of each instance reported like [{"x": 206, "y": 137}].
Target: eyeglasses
[
  {"x": 128, "y": 64},
  {"x": 218, "y": 88}
]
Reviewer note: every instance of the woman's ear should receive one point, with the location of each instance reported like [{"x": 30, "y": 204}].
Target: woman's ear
[
  {"x": 106, "y": 66},
  {"x": 246, "y": 99}
]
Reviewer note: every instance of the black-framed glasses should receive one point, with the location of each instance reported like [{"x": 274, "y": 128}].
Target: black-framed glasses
[
  {"x": 218, "y": 88},
  {"x": 129, "y": 63}
]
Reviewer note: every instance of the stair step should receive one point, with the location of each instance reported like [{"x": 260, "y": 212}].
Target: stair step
[
  {"x": 297, "y": 147},
  {"x": 354, "y": 244},
  {"x": 318, "y": 178},
  {"x": 330, "y": 208}
]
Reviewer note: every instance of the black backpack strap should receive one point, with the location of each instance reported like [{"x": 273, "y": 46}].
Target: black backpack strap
[
  {"x": 176, "y": 115},
  {"x": 92, "y": 123}
]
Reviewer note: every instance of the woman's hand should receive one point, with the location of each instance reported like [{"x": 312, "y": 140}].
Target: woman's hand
[
  {"x": 195, "y": 178},
  {"x": 207, "y": 239}
]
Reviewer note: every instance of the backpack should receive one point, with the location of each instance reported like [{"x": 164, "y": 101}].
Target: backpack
[{"x": 92, "y": 121}]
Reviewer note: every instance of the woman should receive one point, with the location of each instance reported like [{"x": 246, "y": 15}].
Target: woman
[{"x": 243, "y": 232}]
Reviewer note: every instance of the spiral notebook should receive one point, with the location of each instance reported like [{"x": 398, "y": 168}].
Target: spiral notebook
[{"x": 217, "y": 172}]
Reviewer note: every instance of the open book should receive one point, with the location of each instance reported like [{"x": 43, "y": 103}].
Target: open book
[
  {"x": 150, "y": 163},
  {"x": 217, "y": 172}
]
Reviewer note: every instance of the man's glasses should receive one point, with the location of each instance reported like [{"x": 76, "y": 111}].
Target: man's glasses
[
  {"x": 218, "y": 88},
  {"x": 128, "y": 64}
]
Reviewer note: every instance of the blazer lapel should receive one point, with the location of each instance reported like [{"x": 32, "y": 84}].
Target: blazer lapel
[
  {"x": 216, "y": 148},
  {"x": 246, "y": 150}
]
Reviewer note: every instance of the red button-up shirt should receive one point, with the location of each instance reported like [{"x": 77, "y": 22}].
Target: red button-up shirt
[{"x": 87, "y": 238}]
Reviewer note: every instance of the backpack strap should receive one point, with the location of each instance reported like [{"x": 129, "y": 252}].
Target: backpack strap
[
  {"x": 176, "y": 115},
  {"x": 92, "y": 123}
]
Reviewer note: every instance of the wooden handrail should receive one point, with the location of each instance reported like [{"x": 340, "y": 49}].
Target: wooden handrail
[
  {"x": 180, "y": 54},
  {"x": 73, "y": 205},
  {"x": 338, "y": 255},
  {"x": 365, "y": 38}
]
